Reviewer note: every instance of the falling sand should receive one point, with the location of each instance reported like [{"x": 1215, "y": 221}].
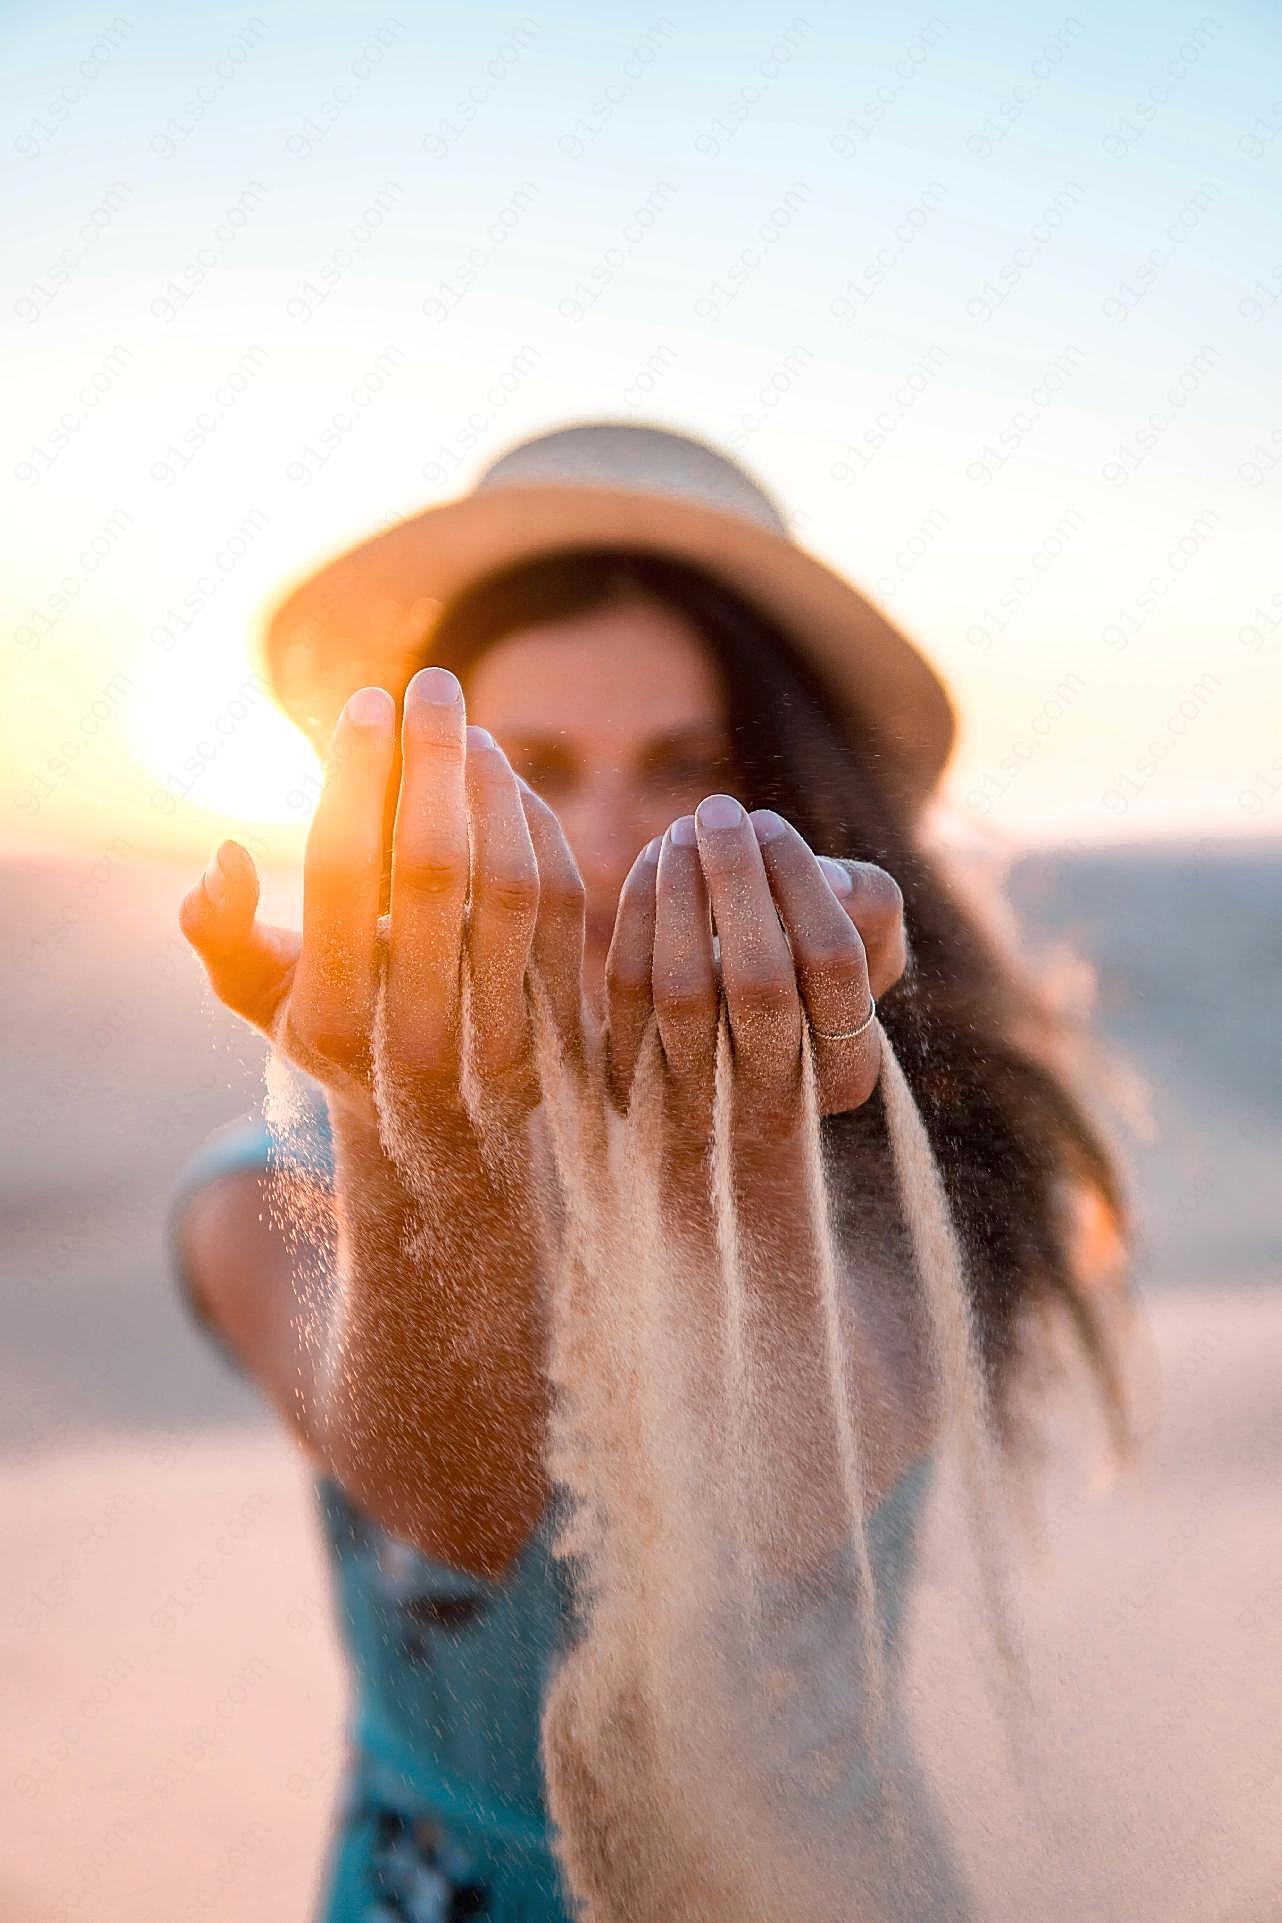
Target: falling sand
[
  {"x": 722, "y": 1738},
  {"x": 710, "y": 1755}
]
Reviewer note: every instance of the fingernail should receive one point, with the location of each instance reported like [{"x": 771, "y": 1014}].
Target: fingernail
[
  {"x": 438, "y": 686},
  {"x": 839, "y": 877},
  {"x": 682, "y": 832},
  {"x": 215, "y": 881},
  {"x": 767, "y": 825},
  {"x": 480, "y": 737},
  {"x": 370, "y": 708},
  {"x": 651, "y": 850},
  {"x": 719, "y": 811}
]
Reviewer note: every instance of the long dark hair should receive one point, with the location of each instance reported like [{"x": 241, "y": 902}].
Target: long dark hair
[{"x": 990, "y": 1060}]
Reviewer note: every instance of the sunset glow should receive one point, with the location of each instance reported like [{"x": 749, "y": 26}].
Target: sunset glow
[{"x": 1014, "y": 371}]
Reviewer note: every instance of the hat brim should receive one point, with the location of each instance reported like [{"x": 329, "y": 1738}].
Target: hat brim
[{"x": 367, "y": 616}]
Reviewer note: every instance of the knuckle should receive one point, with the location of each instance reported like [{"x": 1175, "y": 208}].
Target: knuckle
[
  {"x": 838, "y": 953},
  {"x": 627, "y": 982},
  {"x": 562, "y": 892},
  {"x": 325, "y": 1035},
  {"x": 626, "y": 966},
  {"x": 429, "y": 737},
  {"x": 513, "y": 891},
  {"x": 430, "y": 870},
  {"x": 682, "y": 999},
  {"x": 764, "y": 996},
  {"x": 411, "y": 1064}
]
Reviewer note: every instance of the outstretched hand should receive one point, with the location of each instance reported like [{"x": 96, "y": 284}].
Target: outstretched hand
[
  {"x": 795, "y": 947},
  {"x": 483, "y": 883},
  {"x": 482, "y": 877}
]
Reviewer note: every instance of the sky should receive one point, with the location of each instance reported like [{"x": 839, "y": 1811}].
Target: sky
[{"x": 989, "y": 300}]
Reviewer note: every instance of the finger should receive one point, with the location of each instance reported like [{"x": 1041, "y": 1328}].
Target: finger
[
  {"x": 503, "y": 908},
  {"x": 757, "y": 974},
  {"x": 217, "y": 914},
  {"x": 830, "y": 962},
  {"x": 429, "y": 880},
  {"x": 249, "y": 963},
  {"x": 557, "y": 948},
  {"x": 331, "y": 1006},
  {"x": 628, "y": 983},
  {"x": 875, "y": 903},
  {"x": 684, "y": 972}
]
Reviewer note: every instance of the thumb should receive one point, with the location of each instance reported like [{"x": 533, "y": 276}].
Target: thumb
[
  {"x": 875, "y": 904},
  {"x": 250, "y": 964}
]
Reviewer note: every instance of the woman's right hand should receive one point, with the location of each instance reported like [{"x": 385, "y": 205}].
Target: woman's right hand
[{"x": 371, "y": 1005}]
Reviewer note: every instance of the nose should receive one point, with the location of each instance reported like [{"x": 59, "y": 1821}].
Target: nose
[{"x": 605, "y": 830}]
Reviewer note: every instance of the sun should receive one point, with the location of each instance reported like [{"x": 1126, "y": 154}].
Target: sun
[{"x": 216, "y": 742}]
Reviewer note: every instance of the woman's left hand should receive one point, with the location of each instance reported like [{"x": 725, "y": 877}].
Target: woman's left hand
[{"x": 795, "y": 948}]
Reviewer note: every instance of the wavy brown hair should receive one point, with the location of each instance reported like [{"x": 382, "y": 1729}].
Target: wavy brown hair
[{"x": 990, "y": 1059}]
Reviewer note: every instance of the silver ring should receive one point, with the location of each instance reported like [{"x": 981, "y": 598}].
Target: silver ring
[{"x": 849, "y": 1034}]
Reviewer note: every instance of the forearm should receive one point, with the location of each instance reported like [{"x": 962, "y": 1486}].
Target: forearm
[{"x": 431, "y": 1394}]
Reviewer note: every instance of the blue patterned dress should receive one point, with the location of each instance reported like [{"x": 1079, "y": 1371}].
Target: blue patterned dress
[{"x": 442, "y": 1814}]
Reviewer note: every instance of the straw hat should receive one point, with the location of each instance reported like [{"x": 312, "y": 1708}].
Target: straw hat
[{"x": 368, "y": 615}]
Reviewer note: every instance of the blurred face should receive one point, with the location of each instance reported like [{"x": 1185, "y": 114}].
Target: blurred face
[{"x": 616, "y": 719}]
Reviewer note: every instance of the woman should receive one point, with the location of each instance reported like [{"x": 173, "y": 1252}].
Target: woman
[{"x": 596, "y": 699}]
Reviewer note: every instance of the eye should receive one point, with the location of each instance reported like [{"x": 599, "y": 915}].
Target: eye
[
  {"x": 543, "y": 768},
  {"x": 688, "y": 766}
]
